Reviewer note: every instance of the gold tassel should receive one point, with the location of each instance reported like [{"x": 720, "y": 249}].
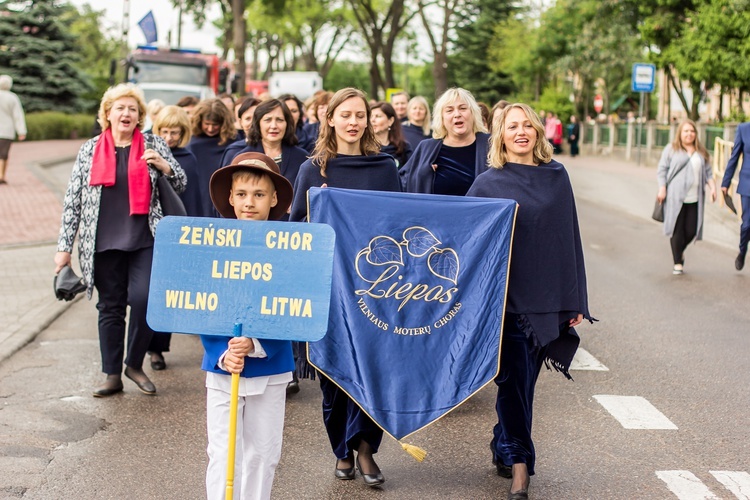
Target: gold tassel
[{"x": 415, "y": 451}]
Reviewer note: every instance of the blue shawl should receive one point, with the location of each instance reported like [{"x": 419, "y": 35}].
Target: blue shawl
[
  {"x": 417, "y": 175},
  {"x": 376, "y": 173},
  {"x": 191, "y": 197},
  {"x": 547, "y": 283}
]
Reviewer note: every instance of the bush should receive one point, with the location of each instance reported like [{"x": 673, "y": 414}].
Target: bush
[{"x": 49, "y": 125}]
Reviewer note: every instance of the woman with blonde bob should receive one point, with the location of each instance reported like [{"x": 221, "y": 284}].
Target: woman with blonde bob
[
  {"x": 457, "y": 153},
  {"x": 547, "y": 294},
  {"x": 212, "y": 127},
  {"x": 172, "y": 124},
  {"x": 347, "y": 155},
  {"x": 417, "y": 127},
  {"x": 112, "y": 204}
]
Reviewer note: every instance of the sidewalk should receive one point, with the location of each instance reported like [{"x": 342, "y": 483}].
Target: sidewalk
[
  {"x": 629, "y": 188},
  {"x": 30, "y": 210},
  {"x": 30, "y": 205}
]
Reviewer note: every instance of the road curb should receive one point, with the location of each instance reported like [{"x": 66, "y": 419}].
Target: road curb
[{"x": 32, "y": 324}]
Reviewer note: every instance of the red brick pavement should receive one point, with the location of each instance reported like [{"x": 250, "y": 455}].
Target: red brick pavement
[{"x": 29, "y": 210}]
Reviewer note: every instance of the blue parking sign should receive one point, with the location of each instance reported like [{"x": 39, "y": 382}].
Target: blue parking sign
[
  {"x": 644, "y": 77},
  {"x": 273, "y": 278}
]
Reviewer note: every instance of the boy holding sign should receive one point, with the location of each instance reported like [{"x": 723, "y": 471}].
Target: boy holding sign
[{"x": 252, "y": 189}]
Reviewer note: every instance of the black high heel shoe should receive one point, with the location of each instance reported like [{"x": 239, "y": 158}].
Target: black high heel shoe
[
  {"x": 502, "y": 469},
  {"x": 371, "y": 479},
  {"x": 523, "y": 493},
  {"x": 344, "y": 474}
]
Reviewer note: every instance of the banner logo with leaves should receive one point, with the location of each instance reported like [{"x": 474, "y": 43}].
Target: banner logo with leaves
[{"x": 399, "y": 273}]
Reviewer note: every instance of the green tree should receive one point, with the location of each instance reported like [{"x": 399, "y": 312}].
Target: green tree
[
  {"x": 716, "y": 48},
  {"x": 663, "y": 26},
  {"x": 41, "y": 55},
  {"x": 470, "y": 66},
  {"x": 98, "y": 49}
]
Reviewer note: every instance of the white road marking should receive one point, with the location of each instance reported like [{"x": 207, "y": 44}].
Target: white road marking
[
  {"x": 737, "y": 482},
  {"x": 635, "y": 412},
  {"x": 583, "y": 360},
  {"x": 685, "y": 485}
]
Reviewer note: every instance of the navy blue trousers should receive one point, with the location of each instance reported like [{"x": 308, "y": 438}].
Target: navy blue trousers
[
  {"x": 520, "y": 365},
  {"x": 745, "y": 228},
  {"x": 160, "y": 342},
  {"x": 347, "y": 425},
  {"x": 122, "y": 279}
]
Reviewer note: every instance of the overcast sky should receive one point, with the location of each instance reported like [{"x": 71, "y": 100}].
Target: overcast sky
[{"x": 166, "y": 20}]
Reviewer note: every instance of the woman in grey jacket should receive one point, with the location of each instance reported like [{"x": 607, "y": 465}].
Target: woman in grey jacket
[
  {"x": 683, "y": 173},
  {"x": 112, "y": 204}
]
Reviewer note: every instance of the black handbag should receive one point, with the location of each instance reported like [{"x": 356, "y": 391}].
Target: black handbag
[
  {"x": 658, "y": 213},
  {"x": 171, "y": 204}
]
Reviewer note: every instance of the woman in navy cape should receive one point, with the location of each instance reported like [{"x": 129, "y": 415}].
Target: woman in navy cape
[
  {"x": 547, "y": 294},
  {"x": 387, "y": 130},
  {"x": 173, "y": 125},
  {"x": 212, "y": 126},
  {"x": 297, "y": 109},
  {"x": 417, "y": 126},
  {"x": 449, "y": 163},
  {"x": 272, "y": 133},
  {"x": 347, "y": 156},
  {"x": 245, "y": 113}
]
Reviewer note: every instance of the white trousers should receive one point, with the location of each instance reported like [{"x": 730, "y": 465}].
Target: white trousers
[{"x": 260, "y": 430}]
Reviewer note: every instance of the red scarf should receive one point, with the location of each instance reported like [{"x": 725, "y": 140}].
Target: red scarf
[{"x": 104, "y": 166}]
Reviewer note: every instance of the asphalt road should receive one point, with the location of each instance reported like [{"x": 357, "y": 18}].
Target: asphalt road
[{"x": 680, "y": 342}]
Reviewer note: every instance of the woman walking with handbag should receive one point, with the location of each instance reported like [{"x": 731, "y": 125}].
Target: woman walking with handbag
[{"x": 683, "y": 173}]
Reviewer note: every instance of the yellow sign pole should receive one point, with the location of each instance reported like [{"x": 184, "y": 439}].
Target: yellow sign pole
[{"x": 233, "y": 403}]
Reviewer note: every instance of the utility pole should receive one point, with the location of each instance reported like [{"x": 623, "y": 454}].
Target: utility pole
[
  {"x": 179, "y": 26},
  {"x": 125, "y": 30}
]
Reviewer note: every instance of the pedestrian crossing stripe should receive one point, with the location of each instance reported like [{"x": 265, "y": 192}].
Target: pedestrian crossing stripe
[
  {"x": 687, "y": 486},
  {"x": 635, "y": 412},
  {"x": 738, "y": 482},
  {"x": 583, "y": 360}
]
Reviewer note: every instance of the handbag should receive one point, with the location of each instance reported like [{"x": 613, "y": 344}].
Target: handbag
[
  {"x": 171, "y": 204},
  {"x": 658, "y": 213}
]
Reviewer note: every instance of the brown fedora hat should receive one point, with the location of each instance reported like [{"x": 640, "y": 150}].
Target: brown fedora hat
[{"x": 221, "y": 184}]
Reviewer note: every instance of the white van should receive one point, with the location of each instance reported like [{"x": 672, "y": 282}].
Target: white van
[{"x": 302, "y": 84}]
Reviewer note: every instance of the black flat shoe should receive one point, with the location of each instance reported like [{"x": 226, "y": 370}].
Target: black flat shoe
[
  {"x": 739, "y": 262},
  {"x": 502, "y": 469},
  {"x": 344, "y": 474},
  {"x": 141, "y": 380},
  {"x": 371, "y": 479},
  {"x": 112, "y": 385},
  {"x": 158, "y": 363},
  {"x": 292, "y": 388}
]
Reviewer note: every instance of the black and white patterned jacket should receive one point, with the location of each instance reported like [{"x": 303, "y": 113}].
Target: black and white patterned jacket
[{"x": 81, "y": 204}]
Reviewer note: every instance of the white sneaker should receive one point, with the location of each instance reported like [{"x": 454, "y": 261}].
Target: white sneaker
[{"x": 678, "y": 269}]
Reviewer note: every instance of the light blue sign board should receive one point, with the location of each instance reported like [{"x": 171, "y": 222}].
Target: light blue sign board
[
  {"x": 274, "y": 278},
  {"x": 644, "y": 77}
]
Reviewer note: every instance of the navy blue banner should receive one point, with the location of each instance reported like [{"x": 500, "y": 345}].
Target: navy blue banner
[
  {"x": 148, "y": 26},
  {"x": 417, "y": 300}
]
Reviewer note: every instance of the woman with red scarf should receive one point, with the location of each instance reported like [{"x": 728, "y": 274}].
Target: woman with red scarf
[{"x": 112, "y": 203}]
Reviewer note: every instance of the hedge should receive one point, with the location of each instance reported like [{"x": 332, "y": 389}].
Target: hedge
[{"x": 55, "y": 125}]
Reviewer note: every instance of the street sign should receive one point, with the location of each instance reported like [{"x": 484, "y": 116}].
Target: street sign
[
  {"x": 598, "y": 103},
  {"x": 273, "y": 278},
  {"x": 644, "y": 77}
]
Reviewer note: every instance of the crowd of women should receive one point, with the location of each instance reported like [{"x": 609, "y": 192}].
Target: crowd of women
[{"x": 338, "y": 140}]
